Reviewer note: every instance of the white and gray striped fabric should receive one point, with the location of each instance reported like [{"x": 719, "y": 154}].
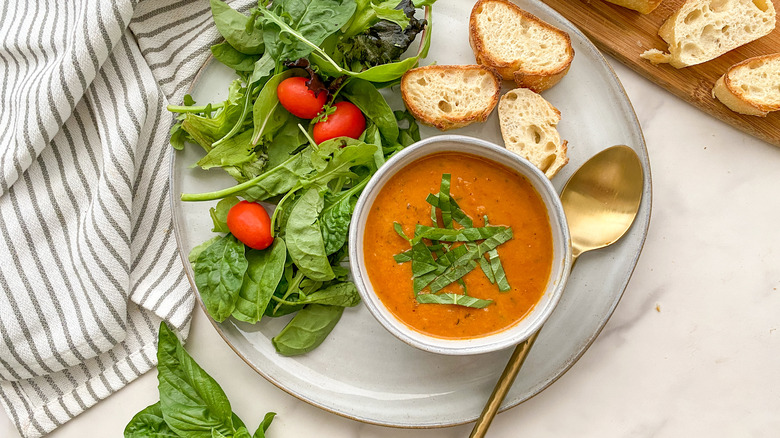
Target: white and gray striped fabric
[{"x": 88, "y": 261}]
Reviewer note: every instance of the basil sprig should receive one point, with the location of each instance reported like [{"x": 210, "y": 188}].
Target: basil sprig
[
  {"x": 192, "y": 404},
  {"x": 438, "y": 264}
]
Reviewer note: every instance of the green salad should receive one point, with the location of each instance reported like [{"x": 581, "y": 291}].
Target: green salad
[{"x": 304, "y": 127}]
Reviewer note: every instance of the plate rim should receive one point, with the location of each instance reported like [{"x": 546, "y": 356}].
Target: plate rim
[{"x": 647, "y": 195}]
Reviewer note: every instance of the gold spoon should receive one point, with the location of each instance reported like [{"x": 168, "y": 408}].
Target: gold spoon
[{"x": 601, "y": 201}]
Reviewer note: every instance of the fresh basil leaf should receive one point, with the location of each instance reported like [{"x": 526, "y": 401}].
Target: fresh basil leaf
[
  {"x": 444, "y": 201},
  {"x": 304, "y": 237},
  {"x": 422, "y": 260},
  {"x": 263, "y": 274},
  {"x": 191, "y": 401},
  {"x": 399, "y": 229},
  {"x": 484, "y": 264},
  {"x": 307, "y": 330},
  {"x": 220, "y": 212},
  {"x": 455, "y": 235},
  {"x": 233, "y": 26},
  {"x": 373, "y": 105},
  {"x": 219, "y": 273},
  {"x": 226, "y": 54},
  {"x": 453, "y": 299},
  {"x": 195, "y": 253},
  {"x": 260, "y": 432},
  {"x": 403, "y": 257},
  {"x": 241, "y": 432},
  {"x": 149, "y": 423},
  {"x": 451, "y": 275},
  {"x": 498, "y": 271},
  {"x": 457, "y": 213}
]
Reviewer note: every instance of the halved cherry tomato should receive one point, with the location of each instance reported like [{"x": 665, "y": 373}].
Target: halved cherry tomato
[
  {"x": 249, "y": 222},
  {"x": 346, "y": 121},
  {"x": 298, "y": 99}
]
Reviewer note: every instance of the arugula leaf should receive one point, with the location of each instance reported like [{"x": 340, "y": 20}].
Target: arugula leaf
[
  {"x": 307, "y": 330},
  {"x": 207, "y": 129},
  {"x": 149, "y": 423},
  {"x": 192, "y": 402},
  {"x": 263, "y": 274},
  {"x": 219, "y": 273},
  {"x": 304, "y": 237},
  {"x": 456, "y": 299},
  {"x": 342, "y": 160},
  {"x": 234, "y": 151},
  {"x": 240, "y": 31}
]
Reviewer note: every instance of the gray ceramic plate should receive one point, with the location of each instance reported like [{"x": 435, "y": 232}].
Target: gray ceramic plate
[{"x": 363, "y": 372}]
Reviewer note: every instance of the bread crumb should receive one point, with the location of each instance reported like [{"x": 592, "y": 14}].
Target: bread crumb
[{"x": 658, "y": 308}]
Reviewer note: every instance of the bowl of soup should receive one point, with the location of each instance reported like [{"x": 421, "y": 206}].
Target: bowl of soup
[{"x": 458, "y": 246}]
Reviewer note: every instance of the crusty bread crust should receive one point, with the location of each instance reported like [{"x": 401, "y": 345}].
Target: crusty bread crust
[
  {"x": 642, "y": 6},
  {"x": 737, "y": 99},
  {"x": 443, "y": 121},
  {"x": 513, "y": 70}
]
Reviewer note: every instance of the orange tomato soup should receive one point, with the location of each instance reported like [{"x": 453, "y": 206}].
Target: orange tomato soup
[{"x": 481, "y": 188}]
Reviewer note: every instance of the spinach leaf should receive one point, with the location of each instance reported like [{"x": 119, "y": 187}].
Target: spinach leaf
[
  {"x": 304, "y": 237},
  {"x": 192, "y": 403},
  {"x": 343, "y": 294},
  {"x": 263, "y": 427},
  {"x": 374, "y": 106},
  {"x": 195, "y": 253},
  {"x": 263, "y": 274},
  {"x": 267, "y": 105},
  {"x": 307, "y": 330},
  {"x": 220, "y": 212},
  {"x": 226, "y": 54},
  {"x": 410, "y": 134},
  {"x": 336, "y": 216},
  {"x": 149, "y": 423},
  {"x": 237, "y": 29},
  {"x": 285, "y": 142},
  {"x": 456, "y": 299},
  {"x": 219, "y": 273},
  {"x": 234, "y": 151}
]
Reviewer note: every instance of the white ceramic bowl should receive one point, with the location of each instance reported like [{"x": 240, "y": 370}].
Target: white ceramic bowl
[{"x": 560, "y": 234}]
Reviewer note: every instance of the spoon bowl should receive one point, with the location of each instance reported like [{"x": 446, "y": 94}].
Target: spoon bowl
[{"x": 600, "y": 201}]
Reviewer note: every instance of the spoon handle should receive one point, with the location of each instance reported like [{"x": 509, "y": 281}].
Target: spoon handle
[{"x": 502, "y": 387}]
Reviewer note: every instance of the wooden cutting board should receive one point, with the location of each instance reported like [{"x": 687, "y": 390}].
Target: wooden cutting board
[{"x": 625, "y": 34}]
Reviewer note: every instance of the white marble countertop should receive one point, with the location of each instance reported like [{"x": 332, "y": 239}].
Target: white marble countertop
[{"x": 693, "y": 348}]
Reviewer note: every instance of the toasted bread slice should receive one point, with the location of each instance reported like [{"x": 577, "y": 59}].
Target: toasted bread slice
[
  {"x": 520, "y": 46},
  {"x": 702, "y": 30},
  {"x": 528, "y": 126},
  {"x": 752, "y": 86},
  {"x": 450, "y": 96},
  {"x": 643, "y": 6}
]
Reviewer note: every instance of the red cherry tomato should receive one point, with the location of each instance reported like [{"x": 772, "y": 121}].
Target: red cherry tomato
[
  {"x": 249, "y": 222},
  {"x": 298, "y": 99},
  {"x": 346, "y": 121}
]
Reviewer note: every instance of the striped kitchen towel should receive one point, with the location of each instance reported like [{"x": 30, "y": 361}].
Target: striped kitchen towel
[{"x": 88, "y": 261}]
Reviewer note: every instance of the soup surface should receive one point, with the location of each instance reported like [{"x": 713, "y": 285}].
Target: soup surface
[{"x": 480, "y": 187}]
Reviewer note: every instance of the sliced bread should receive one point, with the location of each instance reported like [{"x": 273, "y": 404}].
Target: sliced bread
[
  {"x": 450, "y": 96},
  {"x": 751, "y": 87},
  {"x": 528, "y": 126},
  {"x": 520, "y": 46},
  {"x": 702, "y": 30},
  {"x": 643, "y": 6}
]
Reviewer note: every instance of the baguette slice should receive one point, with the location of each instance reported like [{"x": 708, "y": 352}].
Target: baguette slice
[
  {"x": 643, "y": 6},
  {"x": 450, "y": 96},
  {"x": 702, "y": 30},
  {"x": 520, "y": 46},
  {"x": 528, "y": 126},
  {"x": 752, "y": 86}
]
